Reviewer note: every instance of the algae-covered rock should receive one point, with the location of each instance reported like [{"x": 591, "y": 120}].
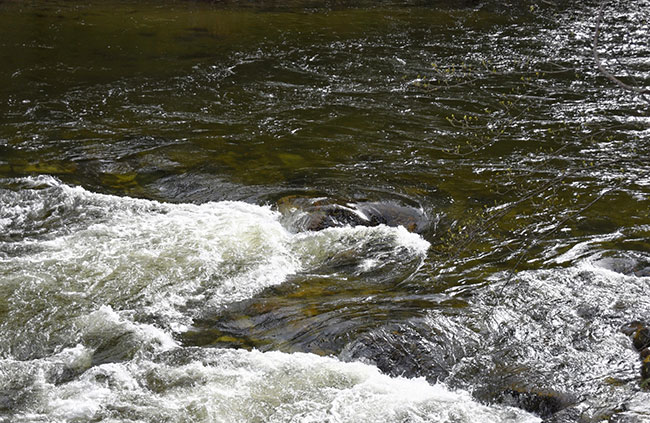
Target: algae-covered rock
[{"x": 315, "y": 214}]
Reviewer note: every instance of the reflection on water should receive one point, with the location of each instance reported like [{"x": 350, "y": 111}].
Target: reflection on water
[{"x": 174, "y": 281}]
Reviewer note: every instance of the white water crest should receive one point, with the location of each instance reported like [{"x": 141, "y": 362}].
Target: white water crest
[
  {"x": 145, "y": 259},
  {"x": 220, "y": 385}
]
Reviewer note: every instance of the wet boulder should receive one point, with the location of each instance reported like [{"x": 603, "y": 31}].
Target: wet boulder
[{"x": 315, "y": 214}]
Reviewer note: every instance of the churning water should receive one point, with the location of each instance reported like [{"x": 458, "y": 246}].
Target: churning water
[
  {"x": 91, "y": 306},
  {"x": 155, "y": 156}
]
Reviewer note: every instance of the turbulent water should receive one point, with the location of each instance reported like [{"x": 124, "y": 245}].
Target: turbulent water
[{"x": 150, "y": 269}]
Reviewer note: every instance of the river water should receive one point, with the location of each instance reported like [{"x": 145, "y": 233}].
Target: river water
[{"x": 149, "y": 272}]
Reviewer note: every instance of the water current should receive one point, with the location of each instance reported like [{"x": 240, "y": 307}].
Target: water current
[{"x": 156, "y": 158}]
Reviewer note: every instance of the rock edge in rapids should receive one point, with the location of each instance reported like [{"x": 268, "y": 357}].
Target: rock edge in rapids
[{"x": 315, "y": 214}]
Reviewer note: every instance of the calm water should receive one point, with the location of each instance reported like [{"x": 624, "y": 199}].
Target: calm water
[{"x": 149, "y": 271}]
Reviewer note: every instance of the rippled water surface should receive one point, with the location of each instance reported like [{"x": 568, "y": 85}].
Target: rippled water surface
[{"x": 161, "y": 164}]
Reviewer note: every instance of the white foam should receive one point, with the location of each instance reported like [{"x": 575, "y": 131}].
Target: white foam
[
  {"x": 240, "y": 386},
  {"x": 381, "y": 242},
  {"x": 155, "y": 256},
  {"x": 105, "y": 321}
]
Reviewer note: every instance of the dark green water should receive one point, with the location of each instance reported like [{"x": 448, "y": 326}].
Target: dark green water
[{"x": 170, "y": 285}]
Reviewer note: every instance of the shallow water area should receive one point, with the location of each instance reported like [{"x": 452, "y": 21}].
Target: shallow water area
[{"x": 155, "y": 264}]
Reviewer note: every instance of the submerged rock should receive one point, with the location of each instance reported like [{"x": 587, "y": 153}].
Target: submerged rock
[
  {"x": 543, "y": 403},
  {"x": 642, "y": 273},
  {"x": 315, "y": 214},
  {"x": 645, "y": 366},
  {"x": 640, "y": 334}
]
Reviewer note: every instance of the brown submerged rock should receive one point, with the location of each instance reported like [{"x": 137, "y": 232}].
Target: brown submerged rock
[{"x": 315, "y": 214}]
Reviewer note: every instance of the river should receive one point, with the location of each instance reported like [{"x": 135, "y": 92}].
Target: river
[{"x": 155, "y": 158}]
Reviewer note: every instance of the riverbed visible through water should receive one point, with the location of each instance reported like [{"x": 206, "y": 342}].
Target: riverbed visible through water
[{"x": 159, "y": 160}]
